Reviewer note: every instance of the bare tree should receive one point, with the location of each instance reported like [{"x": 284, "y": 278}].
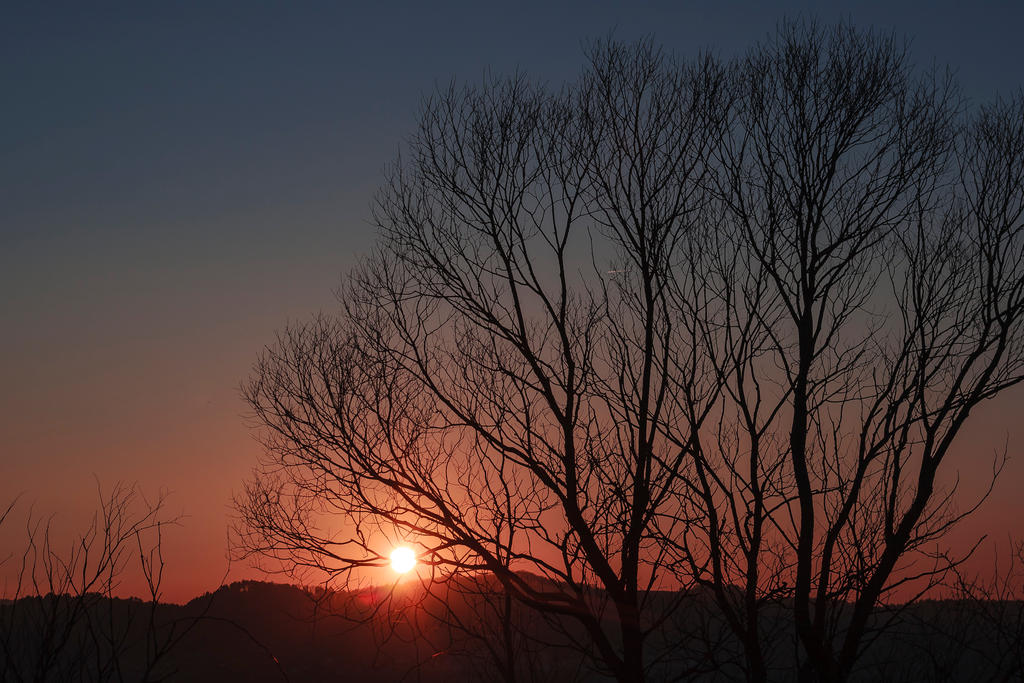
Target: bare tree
[
  {"x": 885, "y": 235},
  {"x": 60, "y": 620},
  {"x": 490, "y": 393},
  {"x": 981, "y": 625},
  {"x": 679, "y": 324}
]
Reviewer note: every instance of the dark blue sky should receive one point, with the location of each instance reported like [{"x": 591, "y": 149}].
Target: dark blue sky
[{"x": 177, "y": 180}]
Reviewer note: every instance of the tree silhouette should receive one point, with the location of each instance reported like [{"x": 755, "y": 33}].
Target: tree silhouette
[
  {"x": 60, "y": 619},
  {"x": 868, "y": 255},
  {"x": 678, "y": 324}
]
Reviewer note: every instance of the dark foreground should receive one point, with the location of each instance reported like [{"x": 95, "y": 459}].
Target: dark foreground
[{"x": 252, "y": 631}]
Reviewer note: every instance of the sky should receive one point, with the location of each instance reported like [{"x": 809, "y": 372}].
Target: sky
[{"x": 179, "y": 180}]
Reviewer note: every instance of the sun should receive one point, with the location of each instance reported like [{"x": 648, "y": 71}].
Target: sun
[{"x": 403, "y": 559}]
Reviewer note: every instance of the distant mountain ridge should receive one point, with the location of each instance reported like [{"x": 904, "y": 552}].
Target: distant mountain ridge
[{"x": 262, "y": 631}]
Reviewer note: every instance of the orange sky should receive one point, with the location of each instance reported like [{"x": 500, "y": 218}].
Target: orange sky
[{"x": 177, "y": 183}]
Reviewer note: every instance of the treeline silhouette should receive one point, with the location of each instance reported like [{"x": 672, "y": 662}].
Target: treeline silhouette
[{"x": 261, "y": 631}]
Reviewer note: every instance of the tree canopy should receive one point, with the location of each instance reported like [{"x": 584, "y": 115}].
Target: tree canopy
[{"x": 679, "y": 324}]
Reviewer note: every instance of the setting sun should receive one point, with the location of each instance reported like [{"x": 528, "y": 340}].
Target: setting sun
[{"x": 403, "y": 559}]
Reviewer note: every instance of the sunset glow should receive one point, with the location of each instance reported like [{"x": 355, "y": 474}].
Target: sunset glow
[
  {"x": 683, "y": 340},
  {"x": 403, "y": 560}
]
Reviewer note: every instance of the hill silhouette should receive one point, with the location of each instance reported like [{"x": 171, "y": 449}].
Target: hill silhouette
[{"x": 260, "y": 631}]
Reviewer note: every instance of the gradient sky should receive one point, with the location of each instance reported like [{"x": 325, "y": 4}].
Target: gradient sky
[{"x": 178, "y": 180}]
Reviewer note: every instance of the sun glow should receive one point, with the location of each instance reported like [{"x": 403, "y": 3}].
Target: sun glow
[{"x": 403, "y": 559}]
